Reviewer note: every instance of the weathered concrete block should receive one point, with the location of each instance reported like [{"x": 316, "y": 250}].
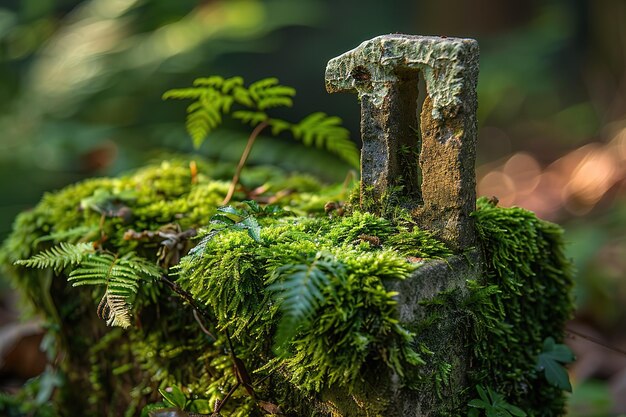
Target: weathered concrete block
[
  {"x": 384, "y": 72},
  {"x": 448, "y": 340},
  {"x": 384, "y": 393},
  {"x": 427, "y": 163}
]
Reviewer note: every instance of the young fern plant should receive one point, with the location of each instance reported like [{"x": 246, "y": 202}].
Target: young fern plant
[
  {"x": 214, "y": 97},
  {"x": 299, "y": 290},
  {"x": 119, "y": 275}
]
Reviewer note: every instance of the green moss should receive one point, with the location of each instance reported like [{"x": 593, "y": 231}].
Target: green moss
[
  {"x": 355, "y": 321},
  {"x": 525, "y": 296},
  {"x": 344, "y": 333}
]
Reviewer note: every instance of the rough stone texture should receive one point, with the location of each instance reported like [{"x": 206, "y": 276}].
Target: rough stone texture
[
  {"x": 384, "y": 72},
  {"x": 424, "y": 163},
  {"x": 383, "y": 394},
  {"x": 448, "y": 340}
]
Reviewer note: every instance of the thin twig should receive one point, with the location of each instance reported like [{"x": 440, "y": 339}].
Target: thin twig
[
  {"x": 243, "y": 159},
  {"x": 596, "y": 341},
  {"x": 219, "y": 406},
  {"x": 204, "y": 329},
  {"x": 351, "y": 176},
  {"x": 189, "y": 298}
]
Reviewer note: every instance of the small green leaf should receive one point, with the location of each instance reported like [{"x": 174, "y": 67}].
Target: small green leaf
[
  {"x": 174, "y": 396},
  {"x": 473, "y": 412},
  {"x": 48, "y": 381},
  {"x": 477, "y": 403},
  {"x": 482, "y": 394},
  {"x": 150, "y": 409},
  {"x": 228, "y": 215},
  {"x": 514, "y": 410},
  {"x": 551, "y": 361},
  {"x": 201, "y": 406},
  {"x": 494, "y": 404},
  {"x": 253, "y": 206},
  {"x": 229, "y": 210},
  {"x": 556, "y": 374},
  {"x": 253, "y": 228}
]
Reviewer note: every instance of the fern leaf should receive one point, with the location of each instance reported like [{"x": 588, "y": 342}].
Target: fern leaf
[
  {"x": 120, "y": 276},
  {"x": 259, "y": 85},
  {"x": 279, "y": 126},
  {"x": 212, "y": 81},
  {"x": 58, "y": 257},
  {"x": 203, "y": 116},
  {"x": 226, "y": 104},
  {"x": 183, "y": 93},
  {"x": 252, "y": 118},
  {"x": 95, "y": 270},
  {"x": 140, "y": 265},
  {"x": 326, "y": 132},
  {"x": 114, "y": 310},
  {"x": 231, "y": 83},
  {"x": 268, "y": 93},
  {"x": 299, "y": 289},
  {"x": 269, "y": 102},
  {"x": 242, "y": 96},
  {"x": 205, "y": 113}
]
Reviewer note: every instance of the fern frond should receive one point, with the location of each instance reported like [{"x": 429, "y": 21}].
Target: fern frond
[
  {"x": 120, "y": 276},
  {"x": 269, "y": 102},
  {"x": 326, "y": 132},
  {"x": 205, "y": 113},
  {"x": 299, "y": 289},
  {"x": 58, "y": 257},
  {"x": 268, "y": 93},
  {"x": 214, "y": 96},
  {"x": 263, "y": 83}
]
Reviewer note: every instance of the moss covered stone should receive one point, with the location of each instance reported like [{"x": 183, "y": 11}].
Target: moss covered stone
[
  {"x": 428, "y": 152},
  {"x": 394, "y": 318},
  {"x": 307, "y": 306}
]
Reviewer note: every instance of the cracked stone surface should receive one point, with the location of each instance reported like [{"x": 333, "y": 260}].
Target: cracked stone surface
[{"x": 429, "y": 157}]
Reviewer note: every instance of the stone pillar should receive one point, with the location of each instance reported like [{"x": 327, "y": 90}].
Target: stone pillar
[
  {"x": 425, "y": 163},
  {"x": 399, "y": 148}
]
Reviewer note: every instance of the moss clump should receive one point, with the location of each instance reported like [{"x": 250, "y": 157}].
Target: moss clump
[
  {"x": 113, "y": 372},
  {"x": 525, "y": 297},
  {"x": 298, "y": 297},
  {"x": 353, "y": 322}
]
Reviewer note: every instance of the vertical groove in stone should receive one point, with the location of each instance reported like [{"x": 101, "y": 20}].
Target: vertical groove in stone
[{"x": 384, "y": 71}]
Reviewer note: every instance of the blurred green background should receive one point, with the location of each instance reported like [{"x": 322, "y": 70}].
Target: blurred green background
[{"x": 81, "y": 81}]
